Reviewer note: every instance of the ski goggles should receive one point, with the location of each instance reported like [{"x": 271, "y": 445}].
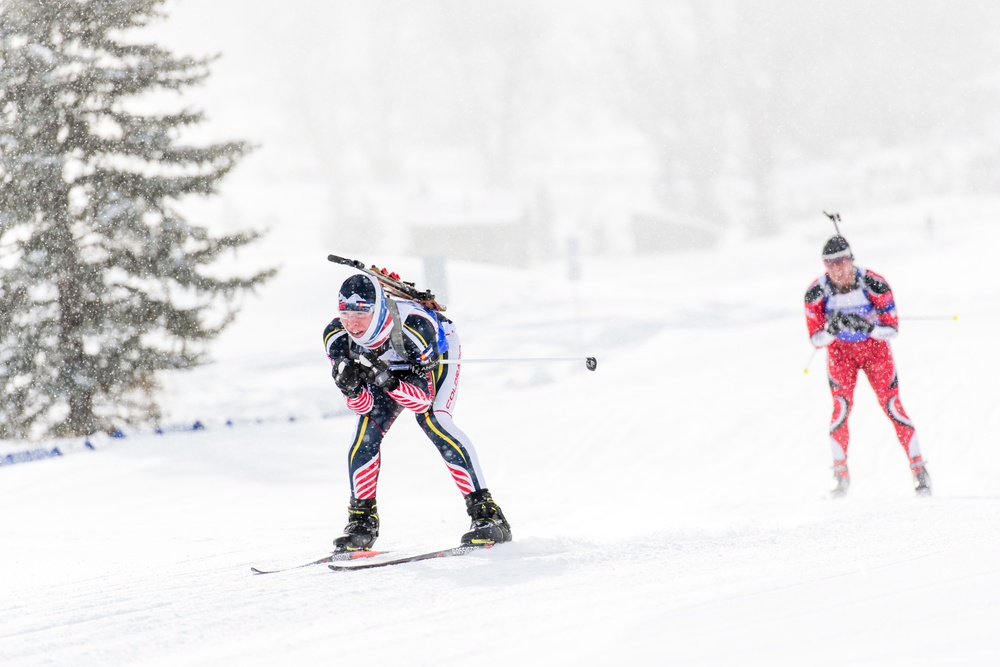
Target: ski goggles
[{"x": 354, "y": 305}]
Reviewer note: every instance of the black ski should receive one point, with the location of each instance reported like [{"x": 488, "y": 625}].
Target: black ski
[
  {"x": 443, "y": 553},
  {"x": 329, "y": 558}
]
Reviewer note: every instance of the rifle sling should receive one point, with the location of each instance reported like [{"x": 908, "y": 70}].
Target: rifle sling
[{"x": 396, "y": 335}]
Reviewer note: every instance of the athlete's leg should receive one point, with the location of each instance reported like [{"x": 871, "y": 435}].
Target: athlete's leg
[
  {"x": 880, "y": 367},
  {"x": 364, "y": 455},
  {"x": 842, "y": 369},
  {"x": 455, "y": 447},
  {"x": 363, "y": 463},
  {"x": 489, "y": 526}
]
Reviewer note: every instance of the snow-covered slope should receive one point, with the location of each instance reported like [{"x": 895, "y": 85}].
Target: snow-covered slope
[{"x": 668, "y": 509}]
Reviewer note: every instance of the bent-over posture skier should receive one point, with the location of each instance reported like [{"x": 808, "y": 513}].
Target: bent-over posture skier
[
  {"x": 851, "y": 312},
  {"x": 385, "y": 355}
]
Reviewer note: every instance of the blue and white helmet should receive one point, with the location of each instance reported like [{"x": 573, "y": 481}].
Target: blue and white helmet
[{"x": 362, "y": 293}]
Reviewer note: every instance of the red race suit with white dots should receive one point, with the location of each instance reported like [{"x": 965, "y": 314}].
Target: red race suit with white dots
[{"x": 851, "y": 351}]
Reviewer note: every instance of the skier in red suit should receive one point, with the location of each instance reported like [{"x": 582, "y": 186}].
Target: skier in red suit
[{"x": 851, "y": 312}]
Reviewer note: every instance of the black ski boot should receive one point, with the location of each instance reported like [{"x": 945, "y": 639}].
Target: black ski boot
[
  {"x": 841, "y": 481},
  {"x": 921, "y": 478},
  {"x": 362, "y": 526},
  {"x": 488, "y": 523}
]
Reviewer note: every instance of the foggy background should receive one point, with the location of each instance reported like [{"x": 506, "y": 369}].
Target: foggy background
[
  {"x": 507, "y": 132},
  {"x": 514, "y": 131}
]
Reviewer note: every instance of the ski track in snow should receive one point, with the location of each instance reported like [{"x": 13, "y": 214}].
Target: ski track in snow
[{"x": 668, "y": 509}]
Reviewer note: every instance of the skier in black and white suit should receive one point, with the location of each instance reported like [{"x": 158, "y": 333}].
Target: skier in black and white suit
[{"x": 385, "y": 355}]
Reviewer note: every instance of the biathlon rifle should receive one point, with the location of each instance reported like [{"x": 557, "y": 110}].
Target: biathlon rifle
[{"x": 392, "y": 283}]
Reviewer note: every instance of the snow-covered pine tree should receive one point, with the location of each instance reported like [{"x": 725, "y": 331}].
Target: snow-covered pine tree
[{"x": 102, "y": 282}]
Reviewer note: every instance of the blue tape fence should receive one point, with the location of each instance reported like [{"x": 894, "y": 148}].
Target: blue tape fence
[{"x": 90, "y": 443}]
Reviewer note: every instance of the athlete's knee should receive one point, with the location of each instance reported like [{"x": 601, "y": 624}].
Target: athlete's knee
[
  {"x": 424, "y": 419},
  {"x": 894, "y": 409},
  {"x": 841, "y": 403},
  {"x": 841, "y": 411}
]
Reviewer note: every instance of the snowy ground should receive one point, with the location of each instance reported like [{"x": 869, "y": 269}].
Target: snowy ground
[{"x": 668, "y": 509}]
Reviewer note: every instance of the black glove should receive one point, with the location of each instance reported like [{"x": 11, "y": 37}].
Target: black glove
[
  {"x": 349, "y": 376},
  {"x": 378, "y": 373},
  {"x": 856, "y": 322},
  {"x": 835, "y": 322}
]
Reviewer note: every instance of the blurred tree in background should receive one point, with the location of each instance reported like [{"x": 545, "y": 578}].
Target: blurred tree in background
[
  {"x": 102, "y": 283},
  {"x": 734, "y": 93},
  {"x": 739, "y": 115}
]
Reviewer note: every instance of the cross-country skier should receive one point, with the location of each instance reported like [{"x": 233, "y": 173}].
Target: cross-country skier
[
  {"x": 385, "y": 355},
  {"x": 851, "y": 312}
]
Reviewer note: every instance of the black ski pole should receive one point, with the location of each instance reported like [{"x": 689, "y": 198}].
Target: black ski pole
[{"x": 590, "y": 361}]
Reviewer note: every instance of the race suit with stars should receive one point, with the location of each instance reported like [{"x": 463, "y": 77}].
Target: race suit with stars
[{"x": 426, "y": 388}]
